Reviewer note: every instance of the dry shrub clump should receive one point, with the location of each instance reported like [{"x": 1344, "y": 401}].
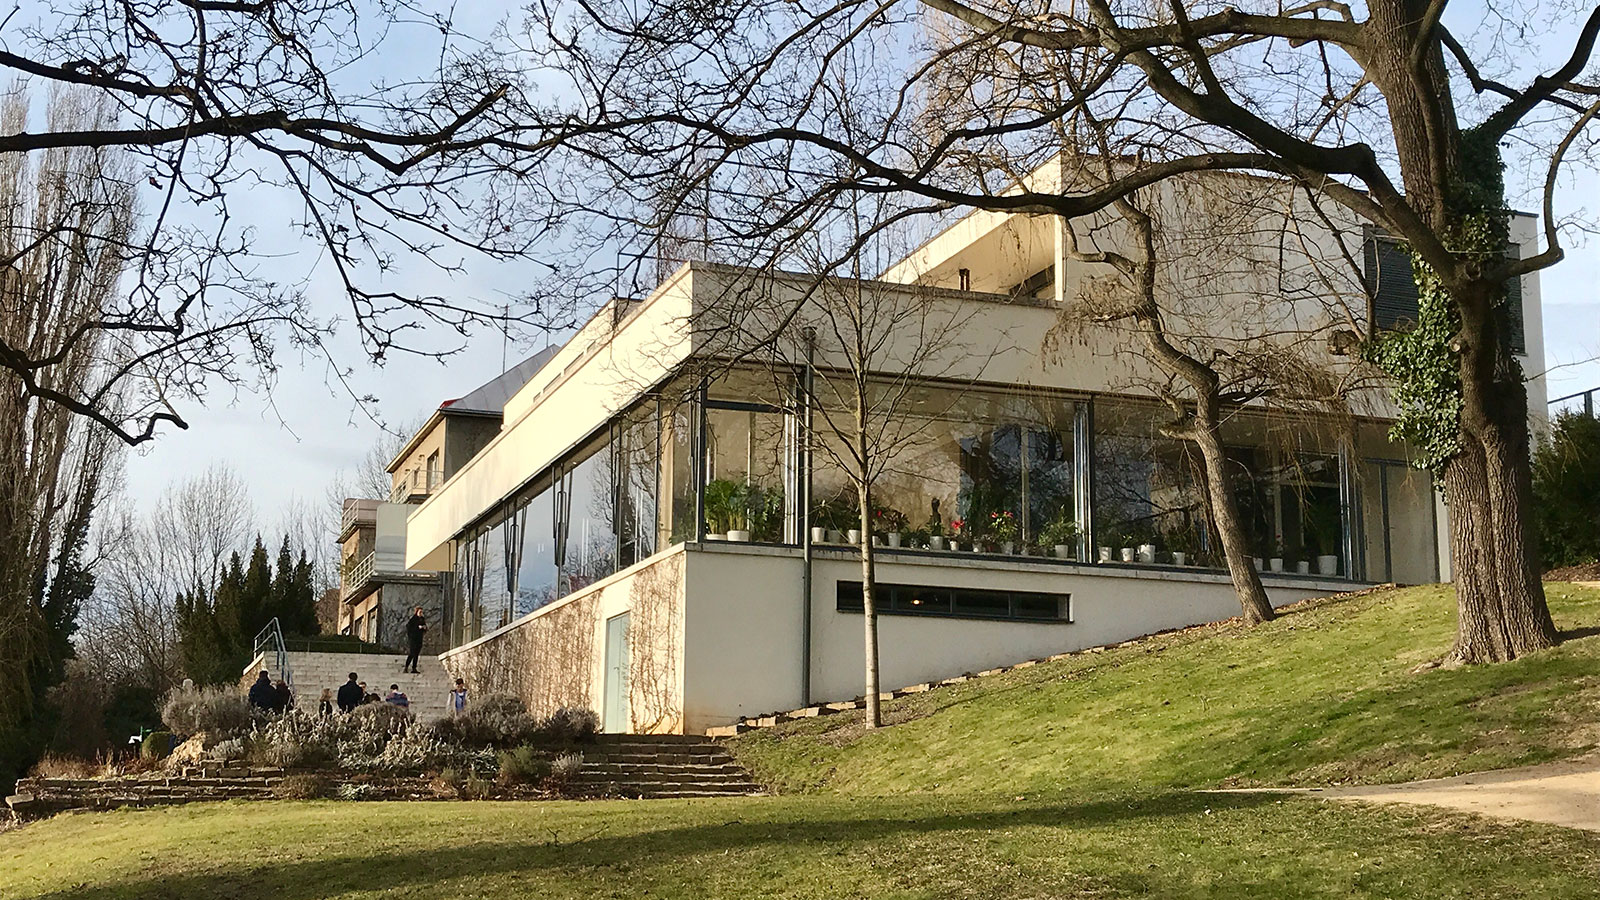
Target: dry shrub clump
[{"x": 218, "y": 712}]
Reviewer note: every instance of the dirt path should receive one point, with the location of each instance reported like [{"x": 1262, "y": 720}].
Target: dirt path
[{"x": 1561, "y": 793}]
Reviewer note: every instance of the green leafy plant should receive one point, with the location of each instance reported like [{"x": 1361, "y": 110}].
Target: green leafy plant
[
  {"x": 727, "y": 505},
  {"x": 1059, "y": 531},
  {"x": 837, "y": 513}
]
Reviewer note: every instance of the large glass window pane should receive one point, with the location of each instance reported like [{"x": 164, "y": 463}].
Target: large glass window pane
[
  {"x": 677, "y": 472},
  {"x": 998, "y": 463},
  {"x": 586, "y": 546},
  {"x": 536, "y": 567},
  {"x": 637, "y": 469},
  {"x": 747, "y": 473}
]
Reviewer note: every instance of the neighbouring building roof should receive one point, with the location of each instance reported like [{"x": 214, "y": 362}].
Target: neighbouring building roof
[{"x": 491, "y": 396}]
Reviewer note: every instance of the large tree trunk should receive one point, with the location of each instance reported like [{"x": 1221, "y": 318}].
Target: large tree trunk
[
  {"x": 1487, "y": 484},
  {"x": 1500, "y": 602},
  {"x": 1253, "y": 602}
]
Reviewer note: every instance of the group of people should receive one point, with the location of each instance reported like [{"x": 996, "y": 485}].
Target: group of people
[{"x": 266, "y": 695}]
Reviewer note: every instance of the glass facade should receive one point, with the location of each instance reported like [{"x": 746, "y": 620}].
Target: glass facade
[{"x": 991, "y": 470}]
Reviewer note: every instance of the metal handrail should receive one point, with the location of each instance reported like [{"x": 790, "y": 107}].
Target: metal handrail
[
  {"x": 270, "y": 639},
  {"x": 1588, "y": 400}
]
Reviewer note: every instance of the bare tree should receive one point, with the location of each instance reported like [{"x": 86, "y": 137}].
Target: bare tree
[
  {"x": 51, "y": 464},
  {"x": 728, "y": 108},
  {"x": 378, "y": 124}
]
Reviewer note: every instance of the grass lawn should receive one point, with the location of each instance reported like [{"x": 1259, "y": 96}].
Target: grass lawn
[
  {"x": 1068, "y": 779},
  {"x": 799, "y": 847},
  {"x": 1326, "y": 694}
]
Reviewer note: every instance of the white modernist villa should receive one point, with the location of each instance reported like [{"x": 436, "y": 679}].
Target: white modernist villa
[{"x": 637, "y": 536}]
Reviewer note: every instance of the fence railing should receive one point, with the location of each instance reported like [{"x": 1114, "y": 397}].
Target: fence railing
[
  {"x": 269, "y": 642},
  {"x": 1584, "y": 400}
]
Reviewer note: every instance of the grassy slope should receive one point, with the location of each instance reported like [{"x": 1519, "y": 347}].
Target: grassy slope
[
  {"x": 1325, "y": 694},
  {"x": 1058, "y": 781}
]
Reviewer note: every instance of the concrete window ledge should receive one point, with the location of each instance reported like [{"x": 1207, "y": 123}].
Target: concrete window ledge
[{"x": 963, "y": 559}]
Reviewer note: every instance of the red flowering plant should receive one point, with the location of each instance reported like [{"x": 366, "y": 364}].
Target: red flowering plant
[
  {"x": 1002, "y": 526},
  {"x": 888, "y": 520},
  {"x": 958, "y": 528}
]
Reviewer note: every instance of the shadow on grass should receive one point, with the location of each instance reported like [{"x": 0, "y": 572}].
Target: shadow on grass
[{"x": 635, "y": 851}]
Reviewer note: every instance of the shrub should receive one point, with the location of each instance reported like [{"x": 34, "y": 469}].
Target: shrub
[
  {"x": 304, "y": 786},
  {"x": 564, "y": 769},
  {"x": 53, "y": 766},
  {"x": 475, "y": 788},
  {"x": 569, "y": 725},
  {"x": 495, "y": 720},
  {"x": 1566, "y": 490},
  {"x": 349, "y": 791},
  {"x": 295, "y": 740},
  {"x": 219, "y": 712},
  {"x": 523, "y": 765},
  {"x": 156, "y": 745},
  {"x": 226, "y": 751}
]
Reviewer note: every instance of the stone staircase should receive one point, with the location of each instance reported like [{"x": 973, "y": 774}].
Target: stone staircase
[
  {"x": 310, "y": 672},
  {"x": 660, "y": 765}
]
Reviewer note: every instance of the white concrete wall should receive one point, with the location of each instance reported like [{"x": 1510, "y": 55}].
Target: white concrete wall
[{"x": 743, "y": 643}]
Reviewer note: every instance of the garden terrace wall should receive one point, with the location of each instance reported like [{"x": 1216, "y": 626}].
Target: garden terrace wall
[
  {"x": 555, "y": 656},
  {"x": 43, "y": 796}
]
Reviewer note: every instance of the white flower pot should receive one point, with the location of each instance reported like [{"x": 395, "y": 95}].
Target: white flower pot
[
  {"x": 1303, "y": 567},
  {"x": 835, "y": 537},
  {"x": 1009, "y": 548},
  {"x": 853, "y": 537},
  {"x": 1328, "y": 565},
  {"x": 1147, "y": 553},
  {"x": 877, "y": 541},
  {"x": 1260, "y": 564},
  {"x": 936, "y": 542},
  {"x": 893, "y": 538},
  {"x": 1179, "y": 557},
  {"x": 1105, "y": 554},
  {"x": 1063, "y": 551},
  {"x": 955, "y": 546},
  {"x": 819, "y": 535},
  {"x": 1275, "y": 564},
  {"x": 739, "y": 536},
  {"x": 1128, "y": 554},
  {"x": 716, "y": 537}
]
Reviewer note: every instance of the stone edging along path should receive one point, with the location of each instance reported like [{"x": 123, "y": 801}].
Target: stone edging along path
[{"x": 1565, "y": 793}]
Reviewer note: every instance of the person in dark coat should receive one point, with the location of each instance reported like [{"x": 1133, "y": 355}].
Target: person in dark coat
[
  {"x": 350, "y": 694},
  {"x": 262, "y": 694},
  {"x": 284, "y": 700},
  {"x": 416, "y": 628}
]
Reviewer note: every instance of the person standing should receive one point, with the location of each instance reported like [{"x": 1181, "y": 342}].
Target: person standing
[
  {"x": 325, "y": 703},
  {"x": 283, "y": 699},
  {"x": 416, "y": 629},
  {"x": 351, "y": 693},
  {"x": 263, "y": 695},
  {"x": 456, "y": 703}
]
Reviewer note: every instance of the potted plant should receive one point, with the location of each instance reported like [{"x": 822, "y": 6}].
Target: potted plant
[
  {"x": 1003, "y": 530},
  {"x": 1275, "y": 563},
  {"x": 936, "y": 536},
  {"x": 1180, "y": 543},
  {"x": 1060, "y": 536},
  {"x": 725, "y": 503},
  {"x": 958, "y": 531},
  {"x": 891, "y": 523},
  {"x": 1322, "y": 525}
]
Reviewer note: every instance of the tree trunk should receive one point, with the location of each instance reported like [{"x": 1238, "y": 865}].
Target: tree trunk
[
  {"x": 869, "y": 607},
  {"x": 1253, "y": 602},
  {"x": 1500, "y": 602}
]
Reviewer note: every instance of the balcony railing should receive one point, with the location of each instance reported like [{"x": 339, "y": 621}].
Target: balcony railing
[
  {"x": 356, "y": 513},
  {"x": 357, "y": 576}
]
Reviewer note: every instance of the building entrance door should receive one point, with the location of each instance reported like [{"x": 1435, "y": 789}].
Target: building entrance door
[{"x": 614, "y": 715}]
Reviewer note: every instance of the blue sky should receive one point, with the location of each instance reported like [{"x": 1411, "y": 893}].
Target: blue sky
[{"x": 292, "y": 442}]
